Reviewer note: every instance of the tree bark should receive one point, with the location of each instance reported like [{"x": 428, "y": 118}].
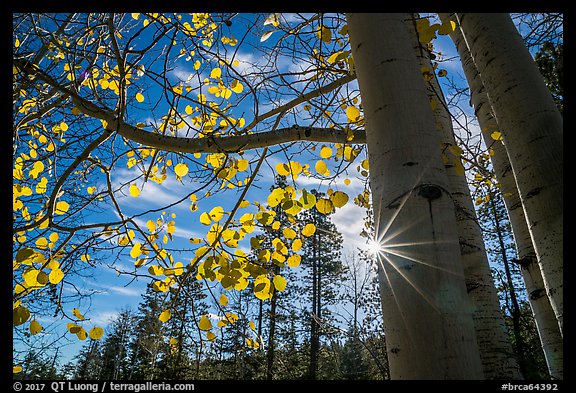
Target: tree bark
[
  {"x": 427, "y": 318},
  {"x": 548, "y": 330},
  {"x": 495, "y": 348},
  {"x": 531, "y": 127}
]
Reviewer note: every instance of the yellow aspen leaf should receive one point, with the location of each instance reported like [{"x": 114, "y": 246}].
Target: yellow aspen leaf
[
  {"x": 181, "y": 170},
  {"x": 151, "y": 225},
  {"x": 205, "y": 323},
  {"x": 210, "y": 336},
  {"x": 296, "y": 245},
  {"x": 134, "y": 190},
  {"x": 352, "y": 113},
  {"x": 216, "y": 213},
  {"x": 242, "y": 165},
  {"x": 289, "y": 233},
  {"x": 496, "y": 135},
  {"x": 20, "y": 315},
  {"x": 216, "y": 73},
  {"x": 283, "y": 169},
  {"x": 35, "y": 327},
  {"x": 81, "y": 334},
  {"x": 294, "y": 260},
  {"x": 156, "y": 270},
  {"x": 325, "y": 152},
  {"x": 242, "y": 284},
  {"x": 295, "y": 167},
  {"x": 442, "y": 73},
  {"x": 205, "y": 218},
  {"x": 347, "y": 181},
  {"x": 324, "y": 206},
  {"x": 53, "y": 237},
  {"x": 236, "y": 87},
  {"x": 73, "y": 328},
  {"x": 64, "y": 126},
  {"x": 307, "y": 200},
  {"x": 262, "y": 287},
  {"x": 223, "y": 300},
  {"x": 90, "y": 190},
  {"x": 17, "y": 369},
  {"x": 321, "y": 168},
  {"x": 165, "y": 316},
  {"x": 32, "y": 278},
  {"x": 41, "y": 243},
  {"x": 55, "y": 276},
  {"x": 135, "y": 15},
  {"x": 36, "y": 169},
  {"x": 339, "y": 198},
  {"x": 139, "y": 97},
  {"x": 335, "y": 57},
  {"x": 309, "y": 230},
  {"x": 42, "y": 186},
  {"x": 77, "y": 314},
  {"x": 136, "y": 250},
  {"x": 96, "y": 333},
  {"x": 279, "y": 282}
]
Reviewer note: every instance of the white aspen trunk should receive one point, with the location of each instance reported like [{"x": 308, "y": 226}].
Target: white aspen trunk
[
  {"x": 427, "y": 318},
  {"x": 496, "y": 351},
  {"x": 532, "y": 130},
  {"x": 548, "y": 330}
]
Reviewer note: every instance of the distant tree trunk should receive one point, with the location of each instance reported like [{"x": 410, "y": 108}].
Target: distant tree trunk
[
  {"x": 515, "y": 307},
  {"x": 271, "y": 347},
  {"x": 313, "y": 365},
  {"x": 493, "y": 341},
  {"x": 549, "y": 332},
  {"x": 531, "y": 127},
  {"x": 427, "y": 318}
]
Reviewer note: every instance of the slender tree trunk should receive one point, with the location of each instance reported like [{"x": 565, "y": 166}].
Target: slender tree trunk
[
  {"x": 515, "y": 307},
  {"x": 312, "y": 366},
  {"x": 532, "y": 130},
  {"x": 495, "y": 348},
  {"x": 548, "y": 330},
  {"x": 271, "y": 347},
  {"x": 427, "y": 318}
]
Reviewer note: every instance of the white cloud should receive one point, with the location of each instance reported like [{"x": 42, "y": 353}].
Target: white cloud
[
  {"x": 104, "y": 317},
  {"x": 349, "y": 221}
]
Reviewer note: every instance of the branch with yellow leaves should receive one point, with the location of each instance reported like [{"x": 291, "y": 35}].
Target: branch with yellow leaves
[{"x": 210, "y": 144}]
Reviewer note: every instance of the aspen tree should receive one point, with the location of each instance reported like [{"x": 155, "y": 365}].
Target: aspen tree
[
  {"x": 493, "y": 341},
  {"x": 548, "y": 330},
  {"x": 531, "y": 129},
  {"x": 428, "y": 323}
]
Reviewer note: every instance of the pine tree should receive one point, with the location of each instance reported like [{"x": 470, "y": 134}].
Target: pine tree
[
  {"x": 116, "y": 347},
  {"x": 322, "y": 264},
  {"x": 88, "y": 361}
]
